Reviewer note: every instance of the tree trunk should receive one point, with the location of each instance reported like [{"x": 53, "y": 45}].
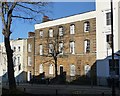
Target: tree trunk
[
  {"x": 10, "y": 67},
  {"x": 55, "y": 66}
]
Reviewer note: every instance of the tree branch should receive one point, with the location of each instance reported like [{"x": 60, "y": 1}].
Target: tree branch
[
  {"x": 9, "y": 15},
  {"x": 2, "y": 15},
  {"x": 21, "y": 17},
  {"x": 29, "y": 8}
]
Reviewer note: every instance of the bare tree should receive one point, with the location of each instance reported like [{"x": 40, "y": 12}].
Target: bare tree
[
  {"x": 54, "y": 46},
  {"x": 21, "y": 10}
]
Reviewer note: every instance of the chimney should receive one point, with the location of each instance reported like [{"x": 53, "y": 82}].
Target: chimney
[
  {"x": 31, "y": 34},
  {"x": 45, "y": 19}
]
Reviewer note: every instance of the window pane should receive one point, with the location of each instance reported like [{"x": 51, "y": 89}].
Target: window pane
[
  {"x": 114, "y": 67},
  {"x": 50, "y": 48},
  {"x": 51, "y": 33},
  {"x": 72, "y": 47},
  {"x": 61, "y": 48},
  {"x": 108, "y": 18},
  {"x": 72, "y": 29},
  {"x": 60, "y": 31},
  {"x": 72, "y": 70},
  {"x": 41, "y": 50},
  {"x": 51, "y": 69},
  {"x": 41, "y": 34},
  {"x": 29, "y": 47},
  {"x": 87, "y": 46},
  {"x": 86, "y": 27},
  {"x": 41, "y": 68}
]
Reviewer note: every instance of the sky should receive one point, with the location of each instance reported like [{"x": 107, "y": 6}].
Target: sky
[{"x": 57, "y": 10}]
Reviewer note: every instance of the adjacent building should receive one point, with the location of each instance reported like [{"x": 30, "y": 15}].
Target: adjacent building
[
  {"x": 19, "y": 48},
  {"x": 103, "y": 40},
  {"x": 30, "y": 55}
]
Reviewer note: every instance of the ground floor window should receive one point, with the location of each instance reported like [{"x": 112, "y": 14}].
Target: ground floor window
[
  {"x": 51, "y": 69},
  {"x": 87, "y": 69},
  {"x": 114, "y": 67},
  {"x": 72, "y": 70},
  {"x": 41, "y": 68}
]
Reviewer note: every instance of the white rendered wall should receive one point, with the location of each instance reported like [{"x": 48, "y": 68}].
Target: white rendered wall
[
  {"x": 102, "y": 30},
  {"x": 23, "y": 57}
]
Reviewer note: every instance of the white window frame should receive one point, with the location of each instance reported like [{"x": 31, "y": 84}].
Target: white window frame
[
  {"x": 87, "y": 69},
  {"x": 108, "y": 14},
  {"x": 86, "y": 46},
  {"x": 19, "y": 48},
  {"x": 41, "y": 49},
  {"x": 72, "y": 29},
  {"x": 29, "y": 47},
  {"x": 14, "y": 49},
  {"x": 86, "y": 26},
  {"x": 109, "y": 41},
  {"x": 41, "y": 33},
  {"x": 41, "y": 68},
  {"x": 50, "y": 32},
  {"x": 72, "y": 70},
  {"x": 29, "y": 61},
  {"x": 61, "y": 47},
  {"x": 72, "y": 47},
  {"x": 50, "y": 48},
  {"x": 61, "y": 31},
  {"x": 51, "y": 70}
]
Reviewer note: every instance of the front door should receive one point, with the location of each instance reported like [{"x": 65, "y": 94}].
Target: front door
[{"x": 61, "y": 70}]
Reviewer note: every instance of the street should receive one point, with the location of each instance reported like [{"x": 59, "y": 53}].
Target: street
[{"x": 64, "y": 89}]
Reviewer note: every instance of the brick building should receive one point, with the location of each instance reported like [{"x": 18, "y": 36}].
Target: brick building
[
  {"x": 30, "y": 55},
  {"x": 74, "y": 37}
]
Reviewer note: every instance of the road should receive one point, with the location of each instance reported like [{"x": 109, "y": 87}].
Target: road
[{"x": 64, "y": 89}]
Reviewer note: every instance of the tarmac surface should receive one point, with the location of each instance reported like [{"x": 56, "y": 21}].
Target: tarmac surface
[{"x": 64, "y": 90}]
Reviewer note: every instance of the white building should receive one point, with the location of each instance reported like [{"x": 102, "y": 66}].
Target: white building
[
  {"x": 19, "y": 47},
  {"x": 103, "y": 36}
]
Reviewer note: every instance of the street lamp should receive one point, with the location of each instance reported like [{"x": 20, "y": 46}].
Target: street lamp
[{"x": 113, "y": 71}]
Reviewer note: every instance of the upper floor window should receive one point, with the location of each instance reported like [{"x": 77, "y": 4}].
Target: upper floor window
[
  {"x": 29, "y": 47},
  {"x": 14, "y": 49},
  {"x": 87, "y": 26},
  {"x": 72, "y": 47},
  {"x": 72, "y": 70},
  {"x": 108, "y": 18},
  {"x": 19, "y": 48},
  {"x": 41, "y": 34},
  {"x": 61, "y": 47},
  {"x": 72, "y": 29},
  {"x": 41, "y": 49},
  {"x": 29, "y": 61},
  {"x": 18, "y": 60},
  {"x": 109, "y": 40},
  {"x": 60, "y": 31},
  {"x": 19, "y": 67},
  {"x": 50, "y": 32},
  {"x": 50, "y": 48},
  {"x": 14, "y": 61},
  {"x": 87, "y": 46}
]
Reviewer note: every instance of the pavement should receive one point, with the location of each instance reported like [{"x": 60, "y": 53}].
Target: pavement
[{"x": 64, "y": 89}]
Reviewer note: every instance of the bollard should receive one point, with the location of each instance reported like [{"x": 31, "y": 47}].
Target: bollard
[
  {"x": 24, "y": 89},
  {"x": 103, "y": 94},
  {"x": 56, "y": 91}
]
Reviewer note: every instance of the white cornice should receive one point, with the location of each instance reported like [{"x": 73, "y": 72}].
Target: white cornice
[{"x": 78, "y": 17}]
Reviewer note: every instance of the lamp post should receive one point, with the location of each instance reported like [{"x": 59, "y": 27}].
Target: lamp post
[{"x": 113, "y": 80}]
